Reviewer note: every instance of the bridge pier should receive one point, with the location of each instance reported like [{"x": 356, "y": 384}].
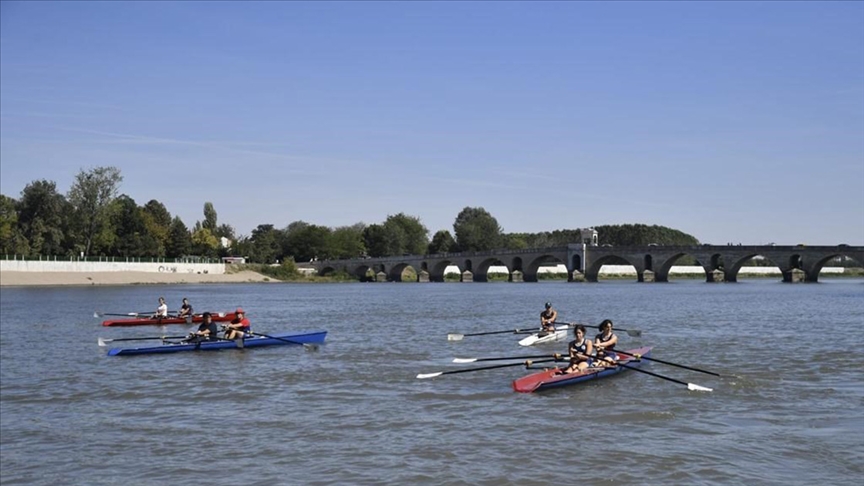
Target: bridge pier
[
  {"x": 467, "y": 276},
  {"x": 647, "y": 276},
  {"x": 516, "y": 276},
  {"x": 423, "y": 276},
  {"x": 715, "y": 276}
]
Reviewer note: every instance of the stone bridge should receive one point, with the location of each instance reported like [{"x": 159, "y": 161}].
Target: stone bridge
[{"x": 583, "y": 262}]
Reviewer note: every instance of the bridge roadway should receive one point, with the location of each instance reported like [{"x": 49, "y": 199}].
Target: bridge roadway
[{"x": 652, "y": 262}]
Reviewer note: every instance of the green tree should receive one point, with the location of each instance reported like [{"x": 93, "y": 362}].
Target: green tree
[
  {"x": 179, "y": 239},
  {"x": 476, "y": 230},
  {"x": 442, "y": 242},
  {"x": 90, "y": 195},
  {"x": 347, "y": 242},
  {"x": 41, "y": 213},
  {"x": 266, "y": 244},
  {"x": 8, "y": 224},
  {"x": 376, "y": 240},
  {"x": 205, "y": 243},
  {"x": 157, "y": 222},
  {"x": 210, "y": 218},
  {"x": 409, "y": 233},
  {"x": 307, "y": 242}
]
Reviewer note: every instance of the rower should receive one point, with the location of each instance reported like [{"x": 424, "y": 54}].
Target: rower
[
  {"x": 185, "y": 309},
  {"x": 605, "y": 343},
  {"x": 547, "y": 319},
  {"x": 162, "y": 310},
  {"x": 580, "y": 350},
  {"x": 207, "y": 331},
  {"x": 239, "y": 327}
]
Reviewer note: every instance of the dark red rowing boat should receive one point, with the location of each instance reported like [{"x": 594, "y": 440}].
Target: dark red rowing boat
[{"x": 146, "y": 321}]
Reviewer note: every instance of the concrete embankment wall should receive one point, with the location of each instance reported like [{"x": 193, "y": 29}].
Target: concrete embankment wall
[{"x": 112, "y": 266}]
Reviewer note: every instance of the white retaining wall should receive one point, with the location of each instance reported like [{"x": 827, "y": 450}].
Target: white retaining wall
[{"x": 91, "y": 267}]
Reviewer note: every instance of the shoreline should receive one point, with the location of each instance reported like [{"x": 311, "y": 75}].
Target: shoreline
[{"x": 49, "y": 279}]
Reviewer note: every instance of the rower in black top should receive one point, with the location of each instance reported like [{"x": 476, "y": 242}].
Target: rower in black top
[
  {"x": 185, "y": 309},
  {"x": 207, "y": 331}
]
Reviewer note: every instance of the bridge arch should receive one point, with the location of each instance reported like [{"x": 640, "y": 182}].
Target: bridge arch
[
  {"x": 530, "y": 272},
  {"x": 592, "y": 272}
]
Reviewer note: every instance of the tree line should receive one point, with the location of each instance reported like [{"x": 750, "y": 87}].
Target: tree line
[{"x": 94, "y": 219}]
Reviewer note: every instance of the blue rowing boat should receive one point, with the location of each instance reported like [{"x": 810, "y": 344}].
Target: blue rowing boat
[
  {"x": 289, "y": 338},
  {"x": 552, "y": 378}
]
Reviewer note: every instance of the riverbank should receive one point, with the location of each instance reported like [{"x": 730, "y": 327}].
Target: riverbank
[{"x": 8, "y": 279}]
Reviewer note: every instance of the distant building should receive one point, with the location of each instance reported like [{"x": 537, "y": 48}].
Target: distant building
[
  {"x": 588, "y": 236},
  {"x": 234, "y": 259}
]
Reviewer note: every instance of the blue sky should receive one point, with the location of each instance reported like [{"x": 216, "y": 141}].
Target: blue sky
[{"x": 731, "y": 121}]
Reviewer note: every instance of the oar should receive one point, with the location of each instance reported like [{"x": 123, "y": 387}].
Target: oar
[
  {"x": 98, "y": 314},
  {"x": 102, "y": 342},
  {"x": 630, "y": 332},
  {"x": 307, "y": 346},
  {"x": 473, "y": 360},
  {"x": 458, "y": 337},
  {"x": 523, "y": 363},
  {"x": 690, "y": 386},
  {"x": 639, "y": 356}
]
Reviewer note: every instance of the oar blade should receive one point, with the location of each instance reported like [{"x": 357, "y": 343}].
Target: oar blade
[
  {"x": 464, "y": 360},
  {"x": 102, "y": 342},
  {"x": 455, "y": 337},
  {"x": 695, "y": 387},
  {"x": 310, "y": 346},
  {"x": 423, "y": 376}
]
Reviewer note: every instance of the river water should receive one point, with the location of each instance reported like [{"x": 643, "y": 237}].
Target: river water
[{"x": 353, "y": 412}]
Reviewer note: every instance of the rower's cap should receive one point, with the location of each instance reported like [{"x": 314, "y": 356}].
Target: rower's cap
[
  {"x": 239, "y": 311},
  {"x": 548, "y": 304},
  {"x": 206, "y": 315}
]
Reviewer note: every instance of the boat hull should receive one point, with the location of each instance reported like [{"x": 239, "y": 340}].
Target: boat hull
[
  {"x": 290, "y": 338},
  {"x": 547, "y": 379},
  {"x": 559, "y": 334},
  {"x": 146, "y": 321}
]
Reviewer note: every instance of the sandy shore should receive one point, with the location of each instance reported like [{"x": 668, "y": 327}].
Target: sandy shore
[{"x": 124, "y": 278}]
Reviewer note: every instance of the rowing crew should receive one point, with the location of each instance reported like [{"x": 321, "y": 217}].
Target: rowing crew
[
  {"x": 587, "y": 354},
  {"x": 238, "y": 328},
  {"x": 162, "y": 310}
]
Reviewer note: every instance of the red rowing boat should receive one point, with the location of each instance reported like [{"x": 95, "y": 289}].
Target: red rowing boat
[{"x": 147, "y": 321}]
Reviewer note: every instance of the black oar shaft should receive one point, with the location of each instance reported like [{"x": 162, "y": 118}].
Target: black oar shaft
[
  {"x": 503, "y": 358},
  {"x": 673, "y": 380},
  {"x": 496, "y": 332},
  {"x": 144, "y": 338},
  {"x": 669, "y": 363},
  {"x": 524, "y": 363},
  {"x": 305, "y": 345}
]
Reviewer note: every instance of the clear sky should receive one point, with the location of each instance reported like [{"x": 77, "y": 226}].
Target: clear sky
[{"x": 731, "y": 121}]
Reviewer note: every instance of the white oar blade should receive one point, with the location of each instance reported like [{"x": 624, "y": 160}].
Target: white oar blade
[
  {"x": 694, "y": 387},
  {"x": 96, "y": 315},
  {"x": 429, "y": 375},
  {"x": 455, "y": 337},
  {"x": 464, "y": 360},
  {"x": 101, "y": 342}
]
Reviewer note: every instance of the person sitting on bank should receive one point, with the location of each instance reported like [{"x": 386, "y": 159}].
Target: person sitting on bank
[
  {"x": 605, "y": 343},
  {"x": 580, "y": 350},
  {"x": 239, "y": 327},
  {"x": 547, "y": 319},
  {"x": 207, "y": 330},
  {"x": 185, "y": 309},
  {"x": 162, "y": 310}
]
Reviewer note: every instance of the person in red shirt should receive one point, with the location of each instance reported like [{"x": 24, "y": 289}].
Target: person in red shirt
[{"x": 238, "y": 328}]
